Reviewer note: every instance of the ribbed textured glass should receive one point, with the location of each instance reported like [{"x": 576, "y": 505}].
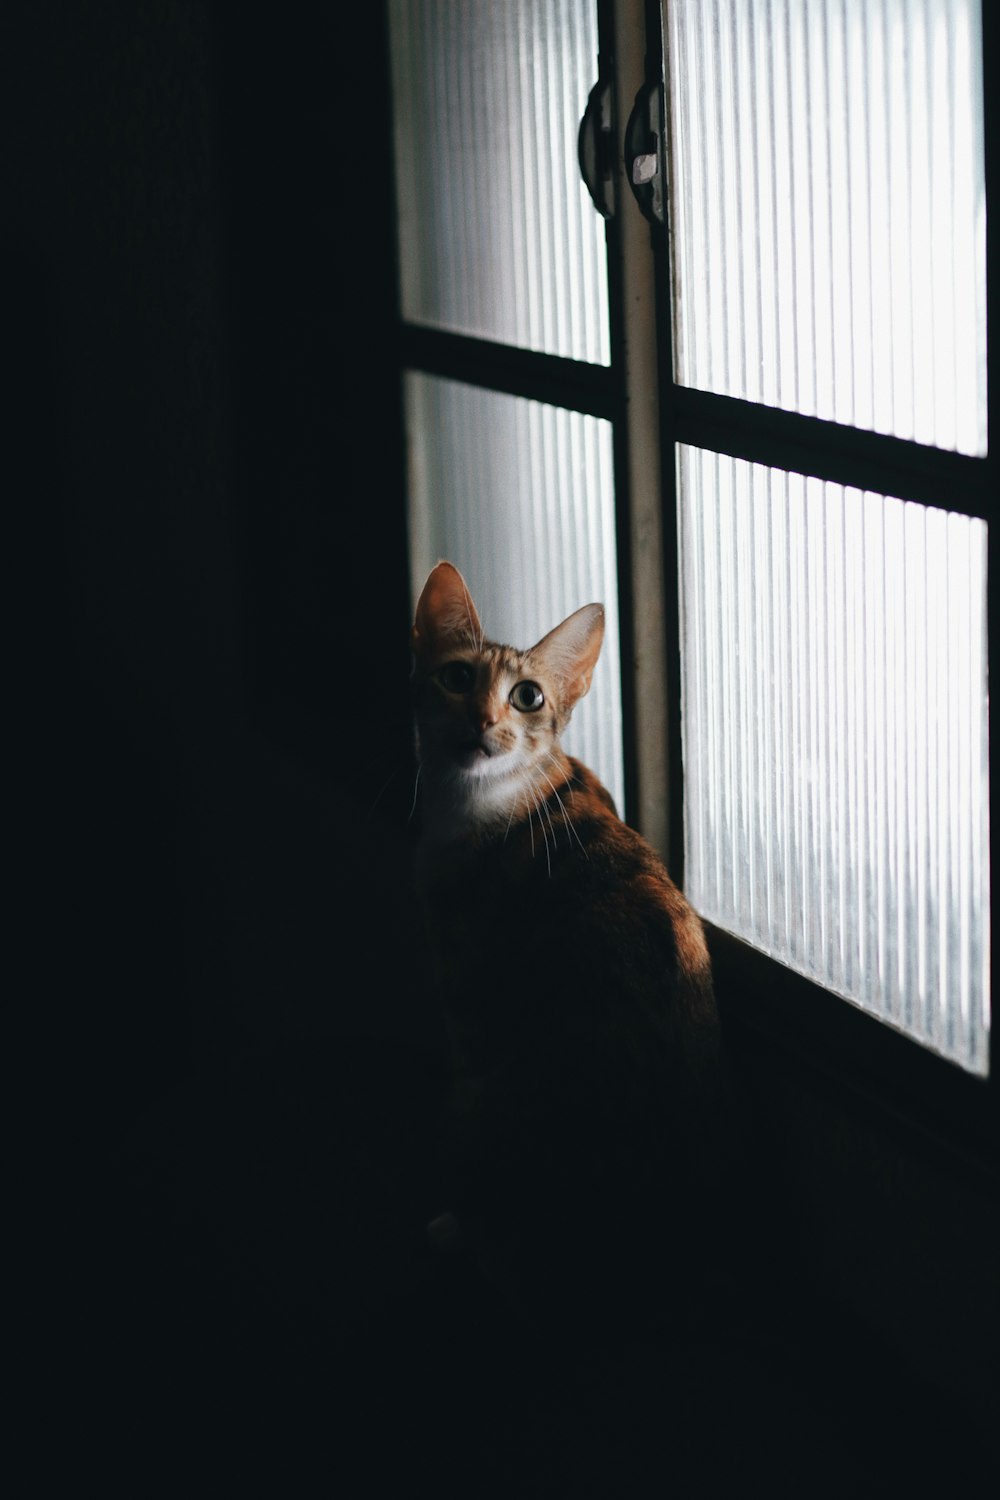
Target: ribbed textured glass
[
  {"x": 835, "y": 739},
  {"x": 497, "y": 235},
  {"x": 520, "y": 497},
  {"x": 828, "y": 209}
]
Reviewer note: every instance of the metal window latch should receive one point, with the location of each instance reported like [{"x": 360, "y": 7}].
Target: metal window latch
[
  {"x": 645, "y": 156},
  {"x": 596, "y": 146}
]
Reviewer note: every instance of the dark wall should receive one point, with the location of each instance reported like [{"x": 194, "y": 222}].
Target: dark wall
[{"x": 203, "y": 453}]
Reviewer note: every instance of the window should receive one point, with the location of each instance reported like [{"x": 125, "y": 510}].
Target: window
[
  {"x": 828, "y": 212},
  {"x": 504, "y": 293},
  {"x": 756, "y": 423}
]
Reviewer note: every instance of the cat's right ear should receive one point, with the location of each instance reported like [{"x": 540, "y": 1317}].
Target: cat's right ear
[
  {"x": 445, "y": 615},
  {"x": 571, "y": 651}
]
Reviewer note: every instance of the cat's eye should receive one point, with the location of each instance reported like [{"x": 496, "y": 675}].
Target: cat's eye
[
  {"x": 456, "y": 676},
  {"x": 527, "y": 696}
]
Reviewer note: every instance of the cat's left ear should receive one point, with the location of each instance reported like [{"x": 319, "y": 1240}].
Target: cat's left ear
[
  {"x": 571, "y": 651},
  {"x": 445, "y": 614}
]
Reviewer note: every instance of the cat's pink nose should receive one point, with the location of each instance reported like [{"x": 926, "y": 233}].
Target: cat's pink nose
[{"x": 485, "y": 717}]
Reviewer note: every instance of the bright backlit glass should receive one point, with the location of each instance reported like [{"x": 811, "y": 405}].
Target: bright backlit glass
[
  {"x": 497, "y": 235},
  {"x": 835, "y": 721},
  {"x": 828, "y": 209}
]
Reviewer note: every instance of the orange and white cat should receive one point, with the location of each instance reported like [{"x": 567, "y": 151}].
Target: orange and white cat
[{"x": 573, "y": 973}]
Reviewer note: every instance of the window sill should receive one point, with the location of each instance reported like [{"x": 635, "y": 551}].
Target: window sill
[{"x": 888, "y": 1075}]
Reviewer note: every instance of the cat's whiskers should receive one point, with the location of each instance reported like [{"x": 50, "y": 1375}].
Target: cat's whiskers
[
  {"x": 513, "y": 809},
  {"x": 562, "y": 808},
  {"x": 382, "y": 789},
  {"x": 548, "y": 856},
  {"x": 545, "y": 809},
  {"x": 416, "y": 788}
]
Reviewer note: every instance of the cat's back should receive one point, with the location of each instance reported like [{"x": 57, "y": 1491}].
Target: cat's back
[
  {"x": 577, "y": 987},
  {"x": 570, "y": 912},
  {"x": 603, "y": 871},
  {"x": 626, "y": 902}
]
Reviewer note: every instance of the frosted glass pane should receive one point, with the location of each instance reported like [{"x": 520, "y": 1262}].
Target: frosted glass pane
[
  {"x": 497, "y": 235},
  {"x": 835, "y": 739},
  {"x": 828, "y": 210},
  {"x": 520, "y": 497}
]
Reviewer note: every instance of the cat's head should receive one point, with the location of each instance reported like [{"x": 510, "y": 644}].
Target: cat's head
[{"x": 488, "y": 716}]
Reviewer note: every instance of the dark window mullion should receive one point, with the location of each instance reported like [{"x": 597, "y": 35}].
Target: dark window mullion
[
  {"x": 591, "y": 389},
  {"x": 832, "y": 451}
]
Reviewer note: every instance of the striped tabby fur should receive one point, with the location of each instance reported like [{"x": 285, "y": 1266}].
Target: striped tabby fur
[{"x": 574, "y": 976}]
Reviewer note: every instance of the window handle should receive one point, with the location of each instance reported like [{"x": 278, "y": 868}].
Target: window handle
[
  {"x": 596, "y": 146},
  {"x": 645, "y": 161}
]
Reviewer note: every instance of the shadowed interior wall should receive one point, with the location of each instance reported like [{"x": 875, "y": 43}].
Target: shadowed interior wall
[{"x": 204, "y": 454}]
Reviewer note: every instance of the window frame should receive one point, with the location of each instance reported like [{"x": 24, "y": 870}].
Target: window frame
[
  {"x": 763, "y": 1002},
  {"x": 759, "y": 994}
]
